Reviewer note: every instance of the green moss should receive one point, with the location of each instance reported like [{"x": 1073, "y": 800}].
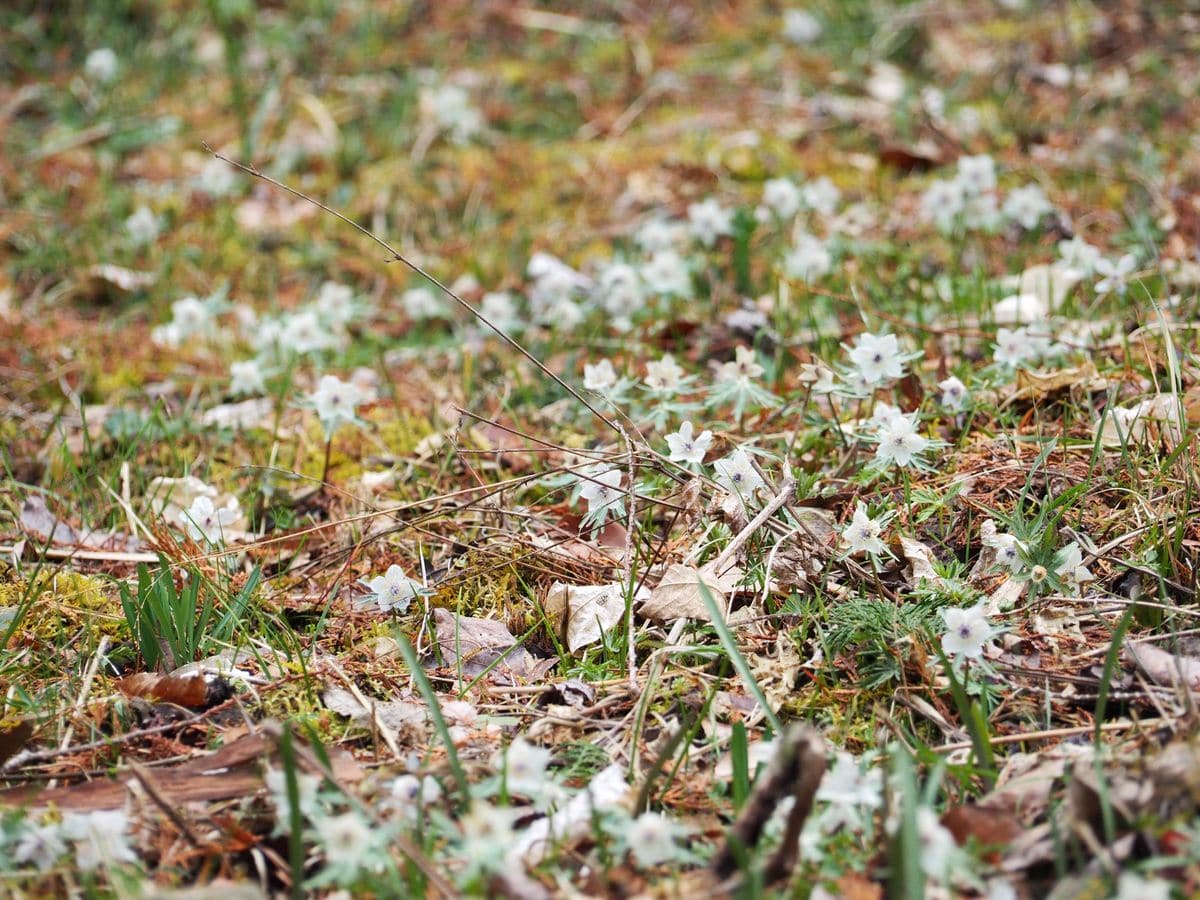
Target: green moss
[{"x": 64, "y": 602}]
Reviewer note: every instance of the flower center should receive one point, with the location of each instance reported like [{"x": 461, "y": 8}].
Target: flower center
[{"x": 964, "y": 631}]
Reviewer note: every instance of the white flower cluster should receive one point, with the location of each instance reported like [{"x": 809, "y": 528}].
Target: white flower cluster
[{"x": 969, "y": 200}]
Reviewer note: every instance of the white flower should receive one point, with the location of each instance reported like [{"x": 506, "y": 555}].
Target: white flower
[
  {"x": 664, "y": 374},
  {"x": 1013, "y": 346},
  {"x": 710, "y": 220},
  {"x": 1068, "y": 565},
  {"x": 864, "y": 534},
  {"x": 1132, "y": 886},
  {"x": 954, "y": 393},
  {"x": 1114, "y": 275},
  {"x": 882, "y": 415},
  {"x": 652, "y": 839},
  {"x": 666, "y": 272},
  {"x": 808, "y": 260},
  {"x": 394, "y": 590},
  {"x": 304, "y": 332},
  {"x": 500, "y": 309},
  {"x": 744, "y": 366},
  {"x": 659, "y": 234},
  {"x": 409, "y": 791},
  {"x": 348, "y": 841},
  {"x": 821, "y": 196},
  {"x": 976, "y": 174},
  {"x": 335, "y": 401},
  {"x": 1079, "y": 255},
  {"x": 525, "y": 769},
  {"x": 877, "y": 357},
  {"x": 487, "y": 835},
  {"x": 99, "y": 838},
  {"x": 102, "y": 65},
  {"x": 246, "y": 377},
  {"x": 619, "y": 292},
  {"x": 205, "y": 522},
  {"x": 938, "y": 848},
  {"x": 967, "y": 631},
  {"x": 943, "y": 203},
  {"x": 335, "y": 303},
  {"x": 600, "y": 376},
  {"x": 143, "y": 226},
  {"x": 934, "y": 101},
  {"x": 448, "y": 108},
  {"x": 1026, "y": 205},
  {"x": 736, "y": 473},
  {"x": 800, "y": 26},
  {"x": 420, "y": 303},
  {"x": 687, "y": 446},
  {"x": 217, "y": 178},
  {"x": 306, "y": 794},
  {"x": 601, "y": 490},
  {"x": 41, "y": 845},
  {"x": 849, "y": 790},
  {"x": 1008, "y": 548},
  {"x": 781, "y": 198}
]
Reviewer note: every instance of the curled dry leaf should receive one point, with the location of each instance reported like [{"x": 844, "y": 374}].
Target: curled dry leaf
[
  {"x": 1163, "y": 667},
  {"x": 585, "y": 612},
  {"x": 475, "y": 646},
  {"x": 192, "y": 691},
  {"x": 398, "y": 715},
  {"x": 678, "y": 593},
  {"x": 920, "y": 562},
  {"x": 1037, "y": 385}
]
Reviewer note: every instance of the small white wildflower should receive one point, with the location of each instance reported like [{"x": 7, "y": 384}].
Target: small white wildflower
[
  {"x": 348, "y": 841},
  {"x": 102, "y": 65},
  {"x": 599, "y": 377},
  {"x": 1007, "y": 547},
  {"x": 736, "y": 473},
  {"x": 660, "y": 234},
  {"x": 1013, "y": 346},
  {"x": 601, "y": 490},
  {"x": 821, "y": 196},
  {"x": 335, "y": 402},
  {"x": 304, "y": 332},
  {"x": 100, "y": 838},
  {"x": 619, "y": 292},
  {"x": 1068, "y": 565},
  {"x": 980, "y": 211},
  {"x": 850, "y": 792},
  {"x": 1026, "y": 206},
  {"x": 1079, "y": 255},
  {"x": 487, "y": 834},
  {"x": 143, "y": 226},
  {"x": 306, "y": 792},
  {"x": 808, "y": 260},
  {"x": 394, "y": 590},
  {"x": 499, "y": 308},
  {"x": 408, "y": 791},
  {"x": 664, "y": 374},
  {"x": 1114, "y": 276},
  {"x": 334, "y": 303},
  {"x": 205, "y": 522},
  {"x": 667, "y": 273},
  {"x": 976, "y": 174},
  {"x": 967, "y": 632},
  {"x": 41, "y": 845},
  {"x": 420, "y": 304},
  {"x": 877, "y": 358},
  {"x": 687, "y": 446},
  {"x": 744, "y": 365},
  {"x": 449, "y": 109},
  {"x": 246, "y": 377},
  {"x": 864, "y": 533},
  {"x": 524, "y": 767},
  {"x": 883, "y": 414},
  {"x": 781, "y": 199},
  {"x": 800, "y": 26},
  {"x": 938, "y": 848},
  {"x": 652, "y": 839},
  {"x": 217, "y": 178},
  {"x": 954, "y": 393},
  {"x": 943, "y": 204},
  {"x": 710, "y": 220}
]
